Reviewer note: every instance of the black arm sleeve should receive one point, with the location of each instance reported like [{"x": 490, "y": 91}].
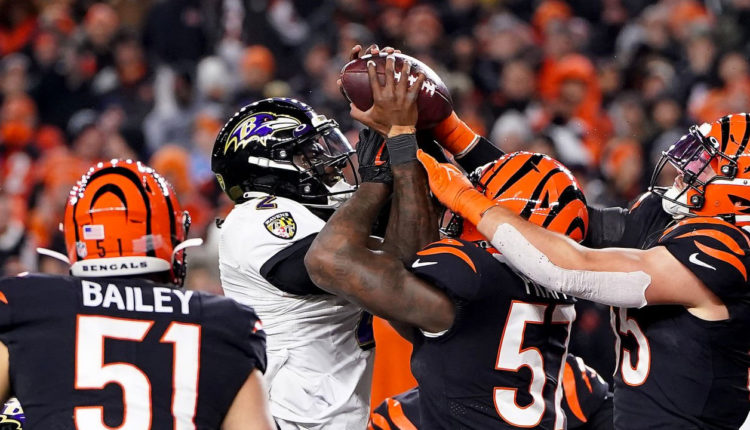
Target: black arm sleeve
[
  {"x": 286, "y": 270},
  {"x": 606, "y": 226},
  {"x": 482, "y": 153}
]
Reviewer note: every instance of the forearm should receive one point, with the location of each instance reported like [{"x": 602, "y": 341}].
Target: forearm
[
  {"x": 352, "y": 222},
  {"x": 378, "y": 282},
  {"x": 413, "y": 220},
  {"x": 556, "y": 262}
]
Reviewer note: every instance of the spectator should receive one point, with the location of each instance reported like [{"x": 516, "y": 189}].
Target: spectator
[
  {"x": 16, "y": 249},
  {"x": 257, "y": 68}
]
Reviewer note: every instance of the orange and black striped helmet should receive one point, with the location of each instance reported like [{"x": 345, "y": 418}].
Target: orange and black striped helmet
[
  {"x": 123, "y": 219},
  {"x": 537, "y": 188},
  {"x": 714, "y": 165}
]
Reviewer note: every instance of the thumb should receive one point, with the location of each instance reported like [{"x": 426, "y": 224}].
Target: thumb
[
  {"x": 357, "y": 114},
  {"x": 427, "y": 161}
]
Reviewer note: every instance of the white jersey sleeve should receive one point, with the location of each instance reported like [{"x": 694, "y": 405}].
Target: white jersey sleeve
[
  {"x": 261, "y": 228},
  {"x": 319, "y": 368}
]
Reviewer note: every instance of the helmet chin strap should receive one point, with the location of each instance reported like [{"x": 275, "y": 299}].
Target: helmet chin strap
[
  {"x": 196, "y": 241},
  {"x": 677, "y": 211},
  {"x": 54, "y": 254},
  {"x": 340, "y": 192}
]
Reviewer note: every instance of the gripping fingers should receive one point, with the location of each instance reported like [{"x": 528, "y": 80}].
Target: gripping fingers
[
  {"x": 414, "y": 89},
  {"x": 403, "y": 81},
  {"x": 390, "y": 72},
  {"x": 374, "y": 83}
]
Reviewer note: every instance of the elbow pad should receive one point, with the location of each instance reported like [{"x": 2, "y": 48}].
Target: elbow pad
[{"x": 623, "y": 289}]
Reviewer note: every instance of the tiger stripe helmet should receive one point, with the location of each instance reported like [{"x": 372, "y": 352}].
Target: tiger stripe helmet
[
  {"x": 123, "y": 219},
  {"x": 714, "y": 161},
  {"x": 536, "y": 187}
]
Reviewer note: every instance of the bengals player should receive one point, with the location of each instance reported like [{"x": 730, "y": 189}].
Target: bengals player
[
  {"x": 120, "y": 343},
  {"x": 682, "y": 301},
  {"x": 587, "y": 402},
  {"x": 474, "y": 343}
]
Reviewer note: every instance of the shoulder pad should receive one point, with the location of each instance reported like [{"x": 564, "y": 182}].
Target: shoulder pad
[
  {"x": 717, "y": 252},
  {"x": 646, "y": 199},
  {"x": 455, "y": 266},
  {"x": 238, "y": 324},
  {"x": 260, "y": 228}
]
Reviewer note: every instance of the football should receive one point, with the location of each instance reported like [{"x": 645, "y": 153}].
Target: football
[{"x": 434, "y": 102}]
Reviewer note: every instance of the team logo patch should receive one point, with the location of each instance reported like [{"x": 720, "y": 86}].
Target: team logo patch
[{"x": 281, "y": 225}]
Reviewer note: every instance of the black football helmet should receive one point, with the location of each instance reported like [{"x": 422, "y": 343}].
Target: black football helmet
[{"x": 281, "y": 146}]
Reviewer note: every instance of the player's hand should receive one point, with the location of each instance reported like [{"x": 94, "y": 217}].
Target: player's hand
[
  {"x": 395, "y": 102},
  {"x": 372, "y": 156},
  {"x": 453, "y": 189},
  {"x": 373, "y": 49}
]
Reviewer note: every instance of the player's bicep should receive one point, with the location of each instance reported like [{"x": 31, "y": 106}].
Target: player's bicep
[
  {"x": 380, "y": 283},
  {"x": 672, "y": 282}
]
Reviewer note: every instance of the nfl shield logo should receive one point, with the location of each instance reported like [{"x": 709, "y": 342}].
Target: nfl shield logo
[
  {"x": 281, "y": 225},
  {"x": 81, "y": 249}
]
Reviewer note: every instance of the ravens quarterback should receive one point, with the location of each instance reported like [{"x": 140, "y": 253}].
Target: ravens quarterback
[
  {"x": 282, "y": 164},
  {"x": 119, "y": 344},
  {"x": 682, "y": 309},
  {"x": 485, "y": 357}
]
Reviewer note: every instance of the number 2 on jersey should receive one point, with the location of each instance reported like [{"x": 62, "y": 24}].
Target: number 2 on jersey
[
  {"x": 512, "y": 356},
  {"x": 92, "y": 373}
]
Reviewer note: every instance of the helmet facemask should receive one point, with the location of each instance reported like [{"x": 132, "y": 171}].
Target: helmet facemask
[
  {"x": 696, "y": 158},
  {"x": 320, "y": 161}
]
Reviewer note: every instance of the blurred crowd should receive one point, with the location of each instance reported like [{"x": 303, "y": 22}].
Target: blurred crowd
[{"x": 602, "y": 85}]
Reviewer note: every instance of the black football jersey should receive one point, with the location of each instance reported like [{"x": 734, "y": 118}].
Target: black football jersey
[
  {"x": 114, "y": 353},
  {"x": 499, "y": 366},
  {"x": 585, "y": 394},
  {"x": 679, "y": 371},
  {"x": 644, "y": 223}
]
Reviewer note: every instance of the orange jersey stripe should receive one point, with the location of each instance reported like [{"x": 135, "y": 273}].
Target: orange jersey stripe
[
  {"x": 379, "y": 421},
  {"x": 724, "y": 256},
  {"x": 707, "y": 220},
  {"x": 398, "y": 416},
  {"x": 448, "y": 250},
  {"x": 571, "y": 395},
  {"x": 724, "y": 238},
  {"x": 3, "y": 298},
  {"x": 448, "y": 241}
]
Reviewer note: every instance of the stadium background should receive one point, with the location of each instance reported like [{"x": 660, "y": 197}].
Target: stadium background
[{"x": 602, "y": 85}]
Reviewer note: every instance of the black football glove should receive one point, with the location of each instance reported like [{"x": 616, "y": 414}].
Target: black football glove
[{"x": 372, "y": 154}]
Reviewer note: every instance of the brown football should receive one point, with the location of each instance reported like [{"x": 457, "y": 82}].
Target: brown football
[{"x": 434, "y": 102}]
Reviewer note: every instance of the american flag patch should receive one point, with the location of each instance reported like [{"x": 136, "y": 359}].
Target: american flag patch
[{"x": 93, "y": 232}]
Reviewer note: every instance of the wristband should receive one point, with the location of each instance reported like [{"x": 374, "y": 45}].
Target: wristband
[{"x": 402, "y": 148}]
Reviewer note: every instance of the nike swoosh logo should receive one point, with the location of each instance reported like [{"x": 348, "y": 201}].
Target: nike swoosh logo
[
  {"x": 418, "y": 263},
  {"x": 694, "y": 259}
]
